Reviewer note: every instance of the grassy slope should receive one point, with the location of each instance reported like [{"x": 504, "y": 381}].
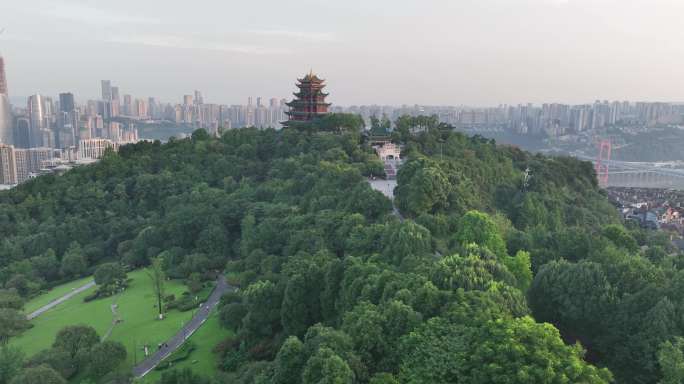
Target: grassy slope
[
  {"x": 136, "y": 307},
  {"x": 54, "y": 294},
  {"x": 96, "y": 314},
  {"x": 202, "y": 360}
]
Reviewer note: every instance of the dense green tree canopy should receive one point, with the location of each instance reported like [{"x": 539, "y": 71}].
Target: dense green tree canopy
[
  {"x": 76, "y": 340},
  {"x": 671, "y": 360},
  {"x": 477, "y": 228},
  {"x": 335, "y": 286},
  {"x": 41, "y": 374},
  {"x": 12, "y": 323},
  {"x": 502, "y": 351},
  {"x": 74, "y": 263},
  {"x": 10, "y": 298},
  {"x": 576, "y": 295},
  {"x": 57, "y": 359},
  {"x": 104, "y": 357},
  {"x": 326, "y": 367},
  {"x": 11, "y": 361},
  {"x": 423, "y": 187},
  {"x": 109, "y": 276}
]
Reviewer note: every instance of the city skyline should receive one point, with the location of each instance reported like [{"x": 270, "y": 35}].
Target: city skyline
[
  {"x": 19, "y": 101},
  {"x": 480, "y": 53}
]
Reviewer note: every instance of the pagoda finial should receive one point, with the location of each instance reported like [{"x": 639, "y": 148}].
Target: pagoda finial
[{"x": 311, "y": 74}]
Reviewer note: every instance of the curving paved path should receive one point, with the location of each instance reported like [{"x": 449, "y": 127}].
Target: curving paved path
[
  {"x": 386, "y": 187},
  {"x": 193, "y": 325},
  {"x": 60, "y": 300}
]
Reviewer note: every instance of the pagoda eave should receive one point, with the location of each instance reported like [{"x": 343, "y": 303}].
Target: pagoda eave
[
  {"x": 306, "y": 114},
  {"x": 301, "y": 113}
]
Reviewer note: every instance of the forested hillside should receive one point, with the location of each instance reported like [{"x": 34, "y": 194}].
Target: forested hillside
[{"x": 487, "y": 277}]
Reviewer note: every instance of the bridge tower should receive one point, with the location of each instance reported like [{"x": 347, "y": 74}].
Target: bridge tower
[{"x": 602, "y": 161}]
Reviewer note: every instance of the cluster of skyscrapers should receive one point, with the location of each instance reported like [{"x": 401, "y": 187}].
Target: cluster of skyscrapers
[
  {"x": 51, "y": 133},
  {"x": 113, "y": 105},
  {"x": 48, "y": 135},
  {"x": 552, "y": 119},
  {"x": 15, "y": 164},
  {"x": 192, "y": 110},
  {"x": 558, "y": 119},
  {"x": 195, "y": 112}
]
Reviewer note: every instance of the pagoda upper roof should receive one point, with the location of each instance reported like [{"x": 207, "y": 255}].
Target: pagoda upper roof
[
  {"x": 311, "y": 78},
  {"x": 310, "y": 85}
]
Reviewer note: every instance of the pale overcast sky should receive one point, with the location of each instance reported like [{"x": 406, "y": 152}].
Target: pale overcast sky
[{"x": 475, "y": 52}]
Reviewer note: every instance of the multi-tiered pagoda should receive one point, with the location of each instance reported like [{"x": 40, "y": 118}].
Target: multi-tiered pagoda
[{"x": 309, "y": 102}]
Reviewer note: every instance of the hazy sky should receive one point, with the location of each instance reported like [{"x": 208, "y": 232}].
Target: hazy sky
[{"x": 475, "y": 52}]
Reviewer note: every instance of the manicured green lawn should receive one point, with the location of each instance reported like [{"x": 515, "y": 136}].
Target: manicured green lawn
[
  {"x": 202, "y": 360},
  {"x": 54, "y": 294},
  {"x": 74, "y": 311},
  {"x": 136, "y": 307}
]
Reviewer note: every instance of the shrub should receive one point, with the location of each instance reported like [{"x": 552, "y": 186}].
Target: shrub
[
  {"x": 182, "y": 354},
  {"x": 91, "y": 297}
]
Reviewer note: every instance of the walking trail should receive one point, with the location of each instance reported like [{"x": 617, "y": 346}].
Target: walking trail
[
  {"x": 116, "y": 318},
  {"x": 193, "y": 325},
  {"x": 60, "y": 300},
  {"x": 386, "y": 187}
]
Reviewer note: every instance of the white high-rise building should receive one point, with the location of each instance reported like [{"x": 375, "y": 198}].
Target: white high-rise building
[
  {"x": 95, "y": 148},
  {"x": 6, "y": 133},
  {"x": 3, "y": 79},
  {"x": 8, "y": 165},
  {"x": 5, "y": 112},
  {"x": 37, "y": 119},
  {"x": 31, "y": 161}
]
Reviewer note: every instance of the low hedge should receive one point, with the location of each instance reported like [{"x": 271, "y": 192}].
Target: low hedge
[
  {"x": 183, "y": 353},
  {"x": 187, "y": 301}
]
